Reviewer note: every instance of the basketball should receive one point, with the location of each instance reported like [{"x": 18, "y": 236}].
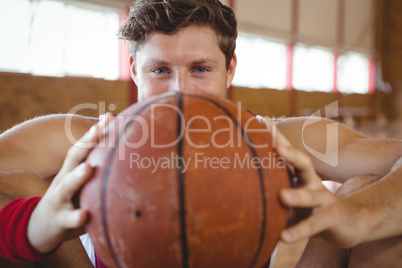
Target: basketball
[{"x": 185, "y": 180}]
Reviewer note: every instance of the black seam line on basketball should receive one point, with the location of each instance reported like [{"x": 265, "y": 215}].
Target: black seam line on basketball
[
  {"x": 181, "y": 177},
  {"x": 260, "y": 176},
  {"x": 106, "y": 179}
]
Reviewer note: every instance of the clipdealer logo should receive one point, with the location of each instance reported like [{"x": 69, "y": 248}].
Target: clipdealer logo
[
  {"x": 195, "y": 125},
  {"x": 330, "y": 156},
  {"x": 101, "y": 107},
  {"x": 201, "y": 161}
]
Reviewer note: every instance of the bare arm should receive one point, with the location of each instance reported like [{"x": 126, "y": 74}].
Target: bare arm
[
  {"x": 369, "y": 214},
  {"x": 40, "y": 145},
  {"x": 339, "y": 152},
  {"x": 10, "y": 189},
  {"x": 55, "y": 218},
  {"x": 381, "y": 203}
]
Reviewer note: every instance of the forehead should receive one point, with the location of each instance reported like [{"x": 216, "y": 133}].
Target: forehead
[{"x": 191, "y": 41}]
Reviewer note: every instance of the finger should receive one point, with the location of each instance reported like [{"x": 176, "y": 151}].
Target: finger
[
  {"x": 104, "y": 124},
  {"x": 302, "y": 163},
  {"x": 109, "y": 117},
  {"x": 92, "y": 137},
  {"x": 104, "y": 121},
  {"x": 70, "y": 183},
  {"x": 309, "y": 227},
  {"x": 72, "y": 219},
  {"x": 306, "y": 198},
  {"x": 80, "y": 150}
]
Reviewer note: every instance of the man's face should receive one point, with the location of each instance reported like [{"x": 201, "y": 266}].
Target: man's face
[{"x": 187, "y": 61}]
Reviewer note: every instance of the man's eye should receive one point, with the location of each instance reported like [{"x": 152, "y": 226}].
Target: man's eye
[
  {"x": 160, "y": 71},
  {"x": 200, "y": 70}
]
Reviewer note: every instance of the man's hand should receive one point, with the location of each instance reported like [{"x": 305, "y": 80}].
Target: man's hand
[
  {"x": 55, "y": 219},
  {"x": 366, "y": 207},
  {"x": 333, "y": 218},
  {"x": 330, "y": 216}
]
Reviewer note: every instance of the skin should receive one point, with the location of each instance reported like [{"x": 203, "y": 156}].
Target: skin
[
  {"x": 380, "y": 253},
  {"x": 36, "y": 186},
  {"x": 65, "y": 221},
  {"x": 24, "y": 149},
  {"x": 190, "y": 61},
  {"x": 27, "y": 146}
]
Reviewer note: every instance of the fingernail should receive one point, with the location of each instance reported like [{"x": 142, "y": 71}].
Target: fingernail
[
  {"x": 285, "y": 148},
  {"x": 287, "y": 195},
  {"x": 102, "y": 120},
  {"x": 92, "y": 130},
  {"x": 287, "y": 236},
  {"x": 81, "y": 169},
  {"x": 105, "y": 131}
]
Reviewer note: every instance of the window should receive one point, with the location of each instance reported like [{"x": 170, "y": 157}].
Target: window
[
  {"x": 15, "y": 16},
  {"x": 353, "y": 73},
  {"x": 46, "y": 40},
  {"x": 313, "y": 69},
  {"x": 52, "y": 38},
  {"x": 260, "y": 63}
]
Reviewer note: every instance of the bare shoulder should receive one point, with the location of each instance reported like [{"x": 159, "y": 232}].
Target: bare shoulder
[
  {"x": 50, "y": 123},
  {"x": 339, "y": 152},
  {"x": 316, "y": 132},
  {"x": 41, "y": 141}
]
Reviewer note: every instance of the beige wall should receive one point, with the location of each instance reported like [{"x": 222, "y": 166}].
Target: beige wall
[
  {"x": 25, "y": 96},
  {"x": 391, "y": 48},
  {"x": 278, "y": 103}
]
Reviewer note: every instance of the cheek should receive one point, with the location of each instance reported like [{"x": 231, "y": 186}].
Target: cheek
[
  {"x": 151, "y": 88},
  {"x": 216, "y": 91},
  {"x": 152, "y": 91},
  {"x": 214, "y": 86}
]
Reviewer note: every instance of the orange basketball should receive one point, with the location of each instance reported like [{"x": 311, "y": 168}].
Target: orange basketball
[{"x": 185, "y": 180}]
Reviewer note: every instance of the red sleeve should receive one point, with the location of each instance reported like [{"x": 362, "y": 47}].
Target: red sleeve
[{"x": 14, "y": 218}]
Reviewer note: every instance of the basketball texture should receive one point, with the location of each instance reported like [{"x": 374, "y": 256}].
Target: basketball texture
[{"x": 185, "y": 180}]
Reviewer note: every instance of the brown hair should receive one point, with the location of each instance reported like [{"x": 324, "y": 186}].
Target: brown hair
[{"x": 169, "y": 16}]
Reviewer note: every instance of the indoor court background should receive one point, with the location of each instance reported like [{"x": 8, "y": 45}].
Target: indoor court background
[{"x": 372, "y": 28}]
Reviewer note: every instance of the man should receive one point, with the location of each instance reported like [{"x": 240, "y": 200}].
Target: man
[
  {"x": 188, "y": 46},
  {"x": 170, "y": 52}
]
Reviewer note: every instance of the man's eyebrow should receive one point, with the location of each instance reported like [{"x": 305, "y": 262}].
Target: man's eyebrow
[
  {"x": 156, "y": 62},
  {"x": 159, "y": 62},
  {"x": 202, "y": 61}
]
